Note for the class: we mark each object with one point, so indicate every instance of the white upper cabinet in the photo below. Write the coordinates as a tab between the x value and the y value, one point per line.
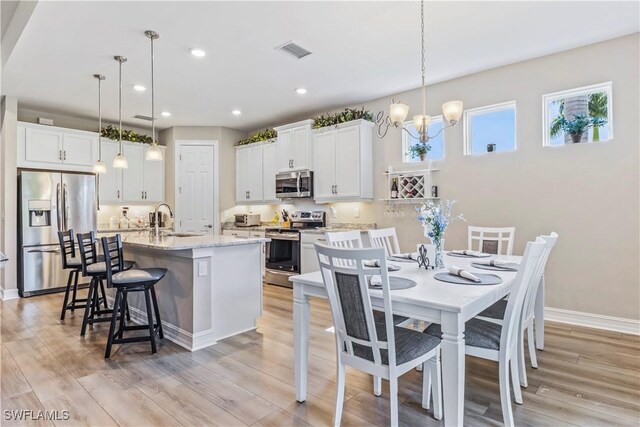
50	147
141	183
110	183
154	178
133	176
343	162
269	170
294	146
249	177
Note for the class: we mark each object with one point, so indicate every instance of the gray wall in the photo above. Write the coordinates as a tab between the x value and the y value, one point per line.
588	193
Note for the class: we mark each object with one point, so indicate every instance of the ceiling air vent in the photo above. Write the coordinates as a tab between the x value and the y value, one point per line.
141	117
294	49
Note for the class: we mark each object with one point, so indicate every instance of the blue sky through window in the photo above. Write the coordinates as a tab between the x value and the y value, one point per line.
437	144
494	127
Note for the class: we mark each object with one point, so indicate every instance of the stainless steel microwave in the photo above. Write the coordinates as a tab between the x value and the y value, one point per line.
295	184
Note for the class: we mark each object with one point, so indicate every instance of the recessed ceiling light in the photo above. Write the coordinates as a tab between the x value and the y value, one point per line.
139	88
301	91
166	114
198	53
236	112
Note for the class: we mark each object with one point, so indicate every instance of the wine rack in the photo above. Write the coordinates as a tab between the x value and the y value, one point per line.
413	186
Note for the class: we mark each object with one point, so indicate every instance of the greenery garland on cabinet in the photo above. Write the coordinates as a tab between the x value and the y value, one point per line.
112	132
349	114
263	135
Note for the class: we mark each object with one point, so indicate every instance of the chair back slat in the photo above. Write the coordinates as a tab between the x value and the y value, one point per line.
87	249
385	238
345	240
113	256
492	240
529	266
347	282
67	247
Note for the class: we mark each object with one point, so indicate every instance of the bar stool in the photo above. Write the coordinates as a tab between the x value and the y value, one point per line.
70	262
133	280
94	267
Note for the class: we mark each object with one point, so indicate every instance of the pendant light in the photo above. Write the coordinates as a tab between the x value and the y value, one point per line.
99	167
120	161
153	152
451	110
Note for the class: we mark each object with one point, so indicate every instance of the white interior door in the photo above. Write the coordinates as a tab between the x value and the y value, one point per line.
195	193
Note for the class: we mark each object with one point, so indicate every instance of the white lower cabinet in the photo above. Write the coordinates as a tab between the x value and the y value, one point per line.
308	257
343	162
244	234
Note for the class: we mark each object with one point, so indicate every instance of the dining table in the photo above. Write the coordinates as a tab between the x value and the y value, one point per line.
431	300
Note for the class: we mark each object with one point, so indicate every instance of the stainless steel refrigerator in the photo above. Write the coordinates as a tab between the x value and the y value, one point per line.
49	202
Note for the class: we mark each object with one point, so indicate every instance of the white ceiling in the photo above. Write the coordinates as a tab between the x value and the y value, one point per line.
361	51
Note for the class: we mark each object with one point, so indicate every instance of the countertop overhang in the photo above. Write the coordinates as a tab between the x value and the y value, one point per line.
177	243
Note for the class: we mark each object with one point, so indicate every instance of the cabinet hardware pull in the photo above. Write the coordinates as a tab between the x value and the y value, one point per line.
64	155
118	194
336	188
60	155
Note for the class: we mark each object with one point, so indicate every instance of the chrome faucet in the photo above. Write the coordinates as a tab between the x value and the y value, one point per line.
155	214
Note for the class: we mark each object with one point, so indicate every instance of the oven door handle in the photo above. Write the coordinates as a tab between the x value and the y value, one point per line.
283	236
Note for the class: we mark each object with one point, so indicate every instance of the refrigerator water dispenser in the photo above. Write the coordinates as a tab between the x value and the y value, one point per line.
39	213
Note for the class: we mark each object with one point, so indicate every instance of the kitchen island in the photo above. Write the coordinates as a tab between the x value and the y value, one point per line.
213	287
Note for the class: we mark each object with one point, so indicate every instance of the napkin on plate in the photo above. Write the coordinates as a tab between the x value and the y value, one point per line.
457	271
410	255
499	263
468	252
375	281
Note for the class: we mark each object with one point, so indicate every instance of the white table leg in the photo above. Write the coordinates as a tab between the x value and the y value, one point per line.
453	352
539	315
301	340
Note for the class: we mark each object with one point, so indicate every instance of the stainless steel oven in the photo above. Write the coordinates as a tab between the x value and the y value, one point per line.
296	184
282	256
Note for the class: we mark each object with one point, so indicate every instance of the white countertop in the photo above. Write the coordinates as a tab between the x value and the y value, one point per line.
175	243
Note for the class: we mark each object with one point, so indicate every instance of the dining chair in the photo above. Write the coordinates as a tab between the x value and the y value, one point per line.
377	348
385	238
496	312
353	239
499	342
491	240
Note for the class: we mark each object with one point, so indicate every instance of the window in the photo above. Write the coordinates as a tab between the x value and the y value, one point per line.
490	129
577	115
436	144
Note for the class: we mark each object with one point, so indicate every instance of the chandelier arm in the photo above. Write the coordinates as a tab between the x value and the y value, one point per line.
440	131
410	134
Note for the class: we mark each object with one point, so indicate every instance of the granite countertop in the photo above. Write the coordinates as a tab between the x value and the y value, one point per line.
177	243
344	226
129	230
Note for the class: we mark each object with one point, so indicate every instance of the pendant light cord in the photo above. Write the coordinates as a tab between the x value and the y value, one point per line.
120	104
424	102
99	119
153	111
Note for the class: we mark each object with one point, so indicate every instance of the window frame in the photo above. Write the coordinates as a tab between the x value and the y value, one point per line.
606	87
406	159
493	108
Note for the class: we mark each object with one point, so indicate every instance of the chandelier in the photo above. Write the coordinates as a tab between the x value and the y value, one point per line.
398	111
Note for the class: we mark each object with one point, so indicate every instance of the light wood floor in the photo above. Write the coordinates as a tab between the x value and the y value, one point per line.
586	377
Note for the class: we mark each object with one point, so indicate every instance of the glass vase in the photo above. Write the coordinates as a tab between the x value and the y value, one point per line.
439	260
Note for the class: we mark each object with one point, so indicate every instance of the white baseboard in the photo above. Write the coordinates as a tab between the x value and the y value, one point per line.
7	294
590	320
